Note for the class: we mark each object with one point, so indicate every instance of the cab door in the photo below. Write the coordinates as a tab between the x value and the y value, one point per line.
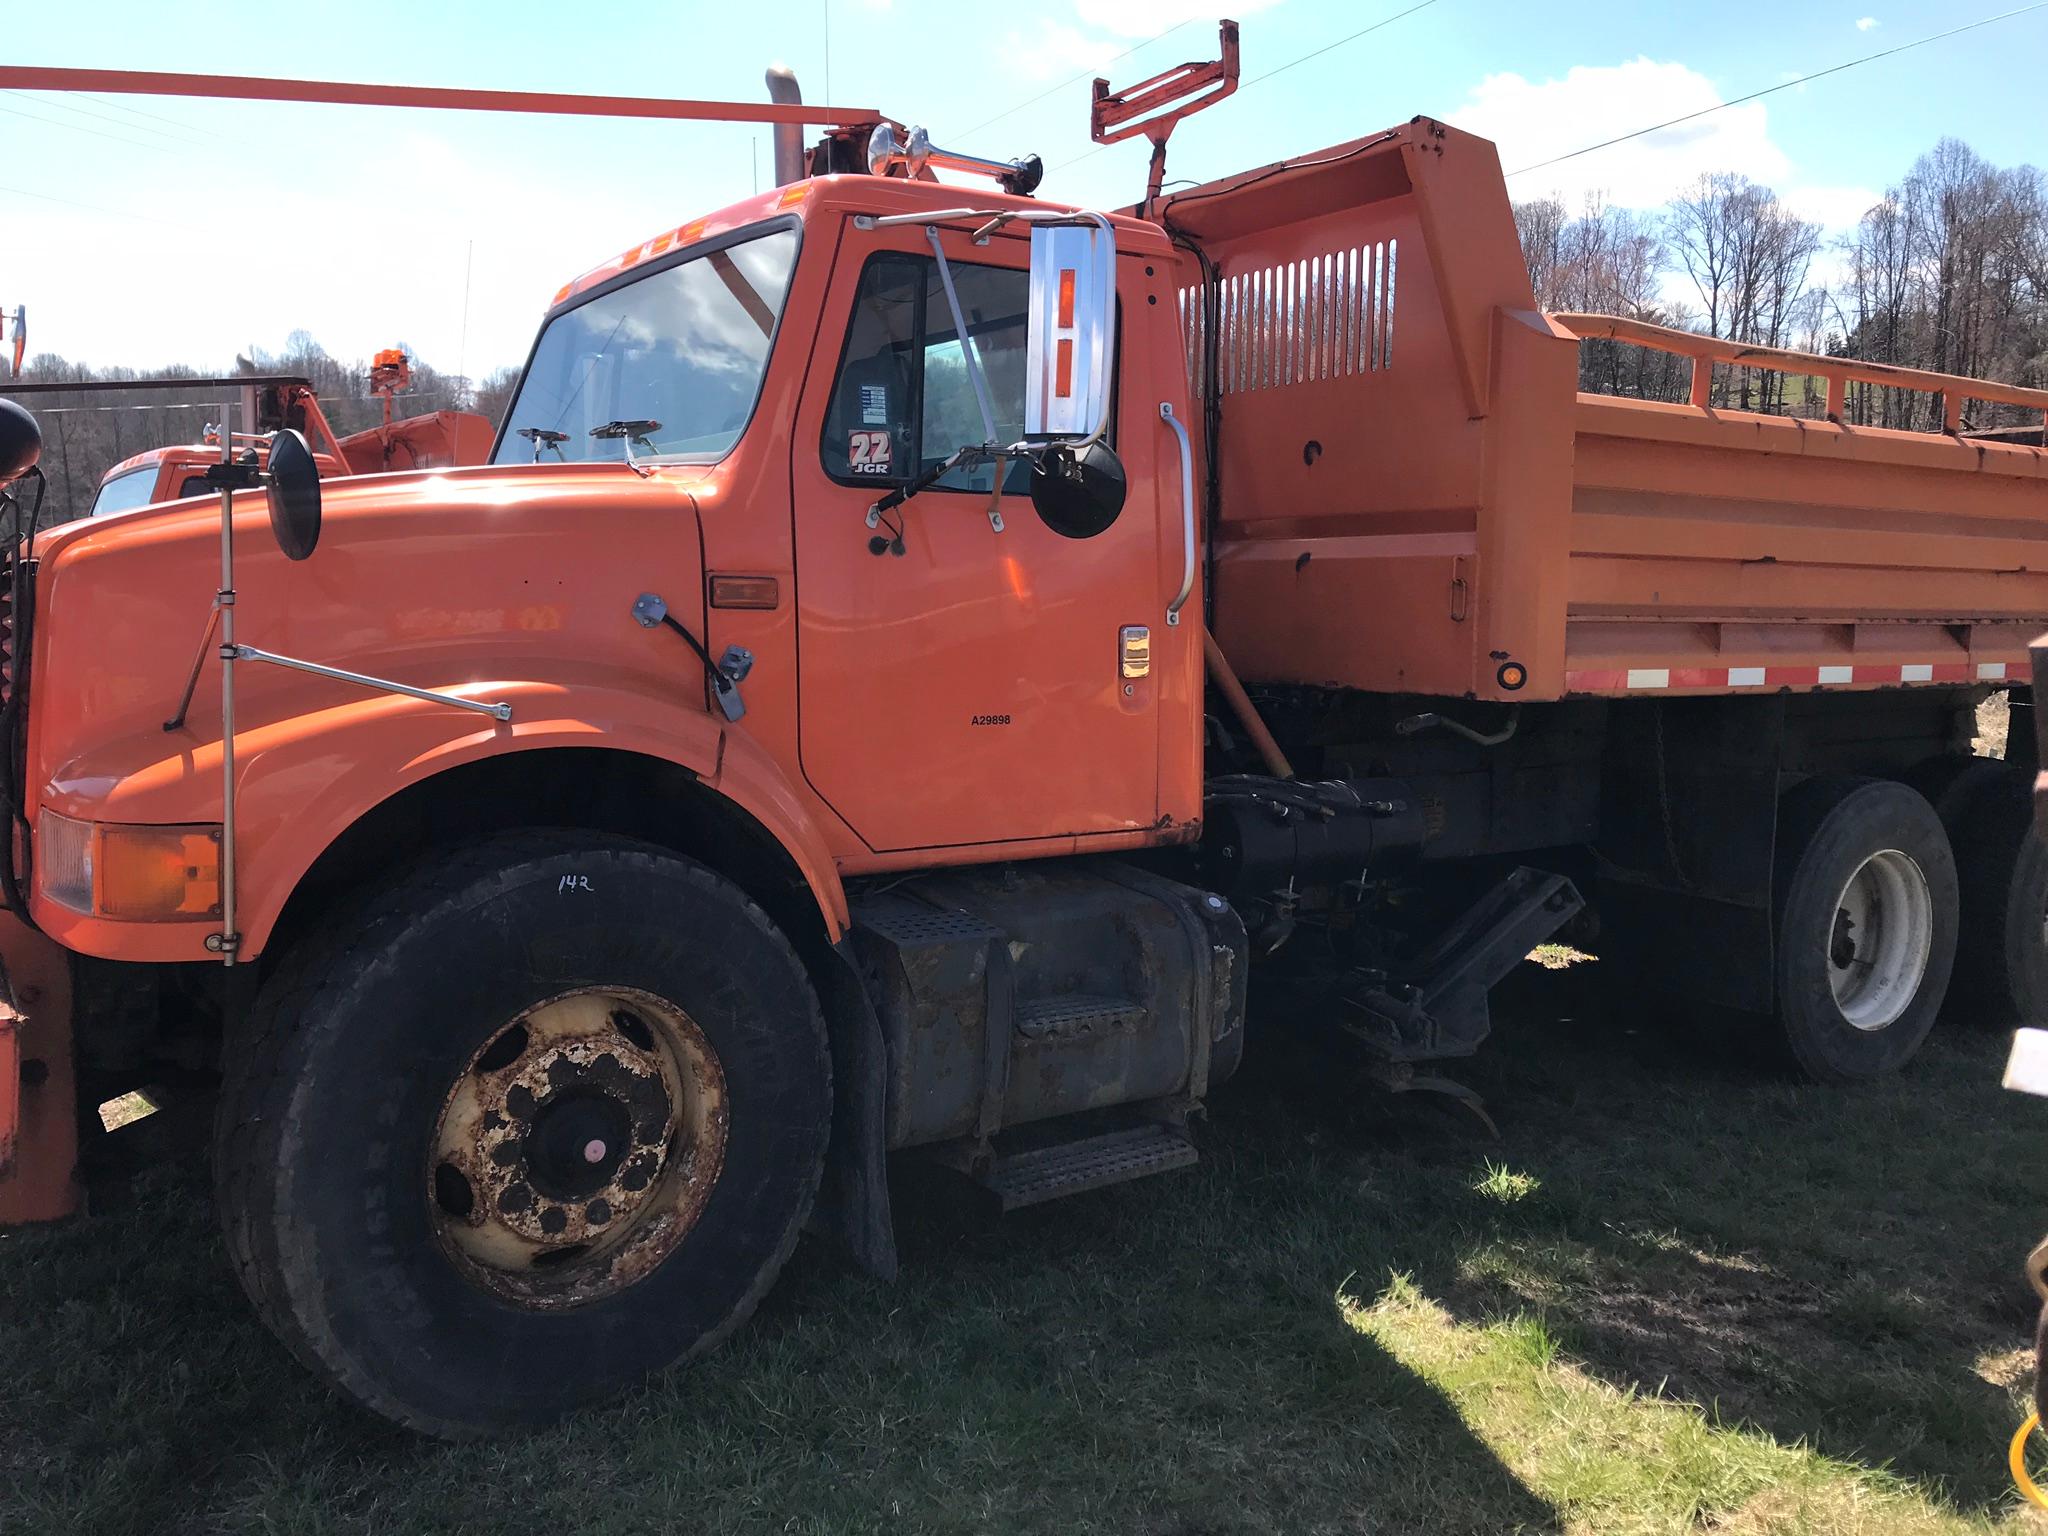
958	684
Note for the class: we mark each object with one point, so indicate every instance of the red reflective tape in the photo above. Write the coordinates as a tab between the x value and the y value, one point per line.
1834	674
1594	682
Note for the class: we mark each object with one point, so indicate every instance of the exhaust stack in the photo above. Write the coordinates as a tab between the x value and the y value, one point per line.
789	137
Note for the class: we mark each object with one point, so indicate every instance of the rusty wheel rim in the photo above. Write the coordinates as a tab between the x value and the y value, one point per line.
578	1147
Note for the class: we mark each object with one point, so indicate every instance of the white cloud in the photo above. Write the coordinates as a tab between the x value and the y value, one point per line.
1054	50
1147	18
1867	23
1110	28
1535	121
1833	208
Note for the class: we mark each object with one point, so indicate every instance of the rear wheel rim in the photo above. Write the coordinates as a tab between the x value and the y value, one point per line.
578	1147
1880	939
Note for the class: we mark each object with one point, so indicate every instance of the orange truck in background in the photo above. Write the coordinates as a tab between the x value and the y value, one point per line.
921	662
436	440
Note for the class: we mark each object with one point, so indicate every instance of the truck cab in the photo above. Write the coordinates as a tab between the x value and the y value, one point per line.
172	474
799	367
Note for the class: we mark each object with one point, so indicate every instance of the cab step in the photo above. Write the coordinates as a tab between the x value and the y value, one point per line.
1074	1167
1077	1017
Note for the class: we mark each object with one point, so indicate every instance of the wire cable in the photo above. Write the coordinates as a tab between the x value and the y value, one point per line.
1783	85
185	140
1281	69
98	133
122	106
119	213
1085	74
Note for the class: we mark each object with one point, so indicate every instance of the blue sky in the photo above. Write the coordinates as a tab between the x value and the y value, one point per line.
358	224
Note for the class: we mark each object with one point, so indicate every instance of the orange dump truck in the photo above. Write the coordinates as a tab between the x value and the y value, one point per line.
921	658
436	440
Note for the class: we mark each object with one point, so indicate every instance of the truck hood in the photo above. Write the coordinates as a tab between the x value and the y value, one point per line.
451	580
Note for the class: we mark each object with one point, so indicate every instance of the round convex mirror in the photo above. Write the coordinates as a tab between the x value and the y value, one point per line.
21	441
1077	492
294	482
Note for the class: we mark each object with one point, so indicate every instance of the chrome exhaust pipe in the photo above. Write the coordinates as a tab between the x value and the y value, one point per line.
789	137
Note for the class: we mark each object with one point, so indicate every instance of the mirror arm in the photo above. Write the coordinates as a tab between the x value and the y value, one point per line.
910	488
973	453
184	708
968	350
497	711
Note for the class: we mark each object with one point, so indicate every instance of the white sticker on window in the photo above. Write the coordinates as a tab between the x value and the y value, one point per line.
867	452
874	404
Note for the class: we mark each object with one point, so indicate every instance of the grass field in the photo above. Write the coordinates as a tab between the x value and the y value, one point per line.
1678	1293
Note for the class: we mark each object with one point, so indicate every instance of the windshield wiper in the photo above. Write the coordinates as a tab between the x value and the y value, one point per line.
541	438
629	433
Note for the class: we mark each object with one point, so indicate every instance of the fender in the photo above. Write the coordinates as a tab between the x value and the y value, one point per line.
305	778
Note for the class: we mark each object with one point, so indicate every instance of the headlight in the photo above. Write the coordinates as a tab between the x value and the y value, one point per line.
136	873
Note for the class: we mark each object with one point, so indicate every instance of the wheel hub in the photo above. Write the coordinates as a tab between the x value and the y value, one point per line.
1880	939
579	1147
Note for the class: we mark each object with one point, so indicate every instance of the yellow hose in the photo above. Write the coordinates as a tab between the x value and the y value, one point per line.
2016	1458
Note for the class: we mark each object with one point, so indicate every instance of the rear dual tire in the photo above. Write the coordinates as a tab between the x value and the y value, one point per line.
544	1118
2001	975
1867	916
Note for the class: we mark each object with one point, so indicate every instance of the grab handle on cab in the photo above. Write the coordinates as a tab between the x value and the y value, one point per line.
1187	511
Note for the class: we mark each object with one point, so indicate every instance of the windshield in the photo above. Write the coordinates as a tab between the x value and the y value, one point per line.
678	355
125	492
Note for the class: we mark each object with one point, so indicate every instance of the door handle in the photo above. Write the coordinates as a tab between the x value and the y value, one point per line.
1187	511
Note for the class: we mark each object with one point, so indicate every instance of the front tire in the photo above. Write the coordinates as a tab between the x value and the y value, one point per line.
545	1118
1866	920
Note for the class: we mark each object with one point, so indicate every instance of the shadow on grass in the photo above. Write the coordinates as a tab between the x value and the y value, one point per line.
1827	1265
1165	1357
1838	1266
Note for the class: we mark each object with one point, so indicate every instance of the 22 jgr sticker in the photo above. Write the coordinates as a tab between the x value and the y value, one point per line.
867	451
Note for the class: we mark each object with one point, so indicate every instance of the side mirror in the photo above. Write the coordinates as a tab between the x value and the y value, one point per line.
294	485
1072	331
21	441
1077	492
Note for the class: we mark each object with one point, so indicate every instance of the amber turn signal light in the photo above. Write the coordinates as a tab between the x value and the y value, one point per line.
146	874
1512	675
745	592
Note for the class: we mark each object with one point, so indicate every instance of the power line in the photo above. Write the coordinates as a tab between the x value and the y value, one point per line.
122	106
1085	74
1282	69
1354	37
119	213
97	133
65	106
1783	85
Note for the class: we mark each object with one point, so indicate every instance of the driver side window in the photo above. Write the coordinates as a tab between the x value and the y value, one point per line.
903	401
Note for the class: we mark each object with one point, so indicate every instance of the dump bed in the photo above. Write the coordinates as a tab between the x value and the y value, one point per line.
1413	497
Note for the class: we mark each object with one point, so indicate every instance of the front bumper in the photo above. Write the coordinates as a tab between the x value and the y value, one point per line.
38	1105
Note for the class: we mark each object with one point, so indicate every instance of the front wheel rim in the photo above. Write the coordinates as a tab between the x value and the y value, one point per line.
578	1147
1879	940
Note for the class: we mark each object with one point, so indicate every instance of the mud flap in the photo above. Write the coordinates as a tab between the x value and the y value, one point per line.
853	1202
38	1104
